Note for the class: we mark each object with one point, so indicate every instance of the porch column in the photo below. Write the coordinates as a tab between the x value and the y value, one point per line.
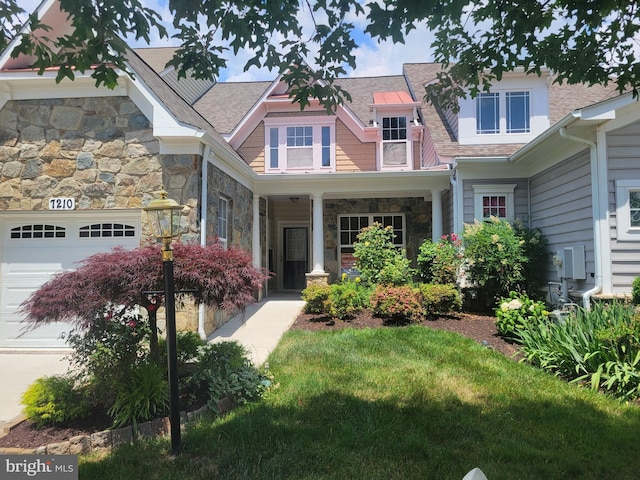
318	235
257	260
436	215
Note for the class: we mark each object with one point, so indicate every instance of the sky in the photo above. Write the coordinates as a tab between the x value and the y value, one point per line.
372	58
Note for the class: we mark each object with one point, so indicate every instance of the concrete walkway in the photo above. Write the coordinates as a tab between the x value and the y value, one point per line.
259	330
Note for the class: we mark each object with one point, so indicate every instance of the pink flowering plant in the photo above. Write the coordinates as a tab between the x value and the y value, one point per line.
439	262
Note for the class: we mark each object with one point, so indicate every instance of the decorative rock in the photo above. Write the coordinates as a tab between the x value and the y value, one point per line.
101	440
60	168
50	151
12	169
111	165
35	114
79	444
85	160
32	169
9	154
67	187
121	436
86	176
61	448
114	149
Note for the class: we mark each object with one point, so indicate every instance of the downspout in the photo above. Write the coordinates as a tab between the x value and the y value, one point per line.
204	199
595	193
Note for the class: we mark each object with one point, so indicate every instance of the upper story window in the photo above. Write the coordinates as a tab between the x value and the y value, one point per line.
308	145
503	112
394	141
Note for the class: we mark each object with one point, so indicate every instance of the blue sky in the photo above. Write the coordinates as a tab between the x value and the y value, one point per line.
373	59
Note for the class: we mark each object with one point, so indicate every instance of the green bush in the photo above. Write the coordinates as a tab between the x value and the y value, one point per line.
105	350
54	400
535	247
316	297
517	312
436	298
348	298
188	346
399	304
600	347
225	370
439	262
495	258
635	291
378	260
145	395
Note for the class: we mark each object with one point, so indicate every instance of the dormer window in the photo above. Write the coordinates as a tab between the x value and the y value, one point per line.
395	114
394	141
503	112
302	145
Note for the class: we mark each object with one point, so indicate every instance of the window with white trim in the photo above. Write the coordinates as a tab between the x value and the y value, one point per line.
503	113
394	141
306	146
349	226
628	209
222	228
494	201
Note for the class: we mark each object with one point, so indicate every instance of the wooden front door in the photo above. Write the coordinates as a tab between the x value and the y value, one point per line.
295	258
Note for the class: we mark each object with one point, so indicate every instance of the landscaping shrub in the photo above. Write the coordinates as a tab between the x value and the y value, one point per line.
378	260
145	395
188	346
600	347
536	250
348	298
495	258
436	298
399	304
105	350
439	262
517	312
54	400
635	291
225	370
316	297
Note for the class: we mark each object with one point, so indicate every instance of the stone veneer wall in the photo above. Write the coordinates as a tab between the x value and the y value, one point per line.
100	151
417	217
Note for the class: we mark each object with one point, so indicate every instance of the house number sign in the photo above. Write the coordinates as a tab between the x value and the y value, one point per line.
62	203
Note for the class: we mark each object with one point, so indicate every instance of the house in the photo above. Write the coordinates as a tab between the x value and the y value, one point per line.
295	187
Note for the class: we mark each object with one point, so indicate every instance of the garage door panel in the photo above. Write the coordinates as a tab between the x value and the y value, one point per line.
28	262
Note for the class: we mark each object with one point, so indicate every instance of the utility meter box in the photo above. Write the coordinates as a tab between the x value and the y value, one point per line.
574	265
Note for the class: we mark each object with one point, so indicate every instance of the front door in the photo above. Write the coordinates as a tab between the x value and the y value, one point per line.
294	265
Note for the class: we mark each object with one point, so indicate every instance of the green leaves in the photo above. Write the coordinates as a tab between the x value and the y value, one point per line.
580	42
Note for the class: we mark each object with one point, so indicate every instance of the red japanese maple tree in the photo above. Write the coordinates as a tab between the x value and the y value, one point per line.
211	274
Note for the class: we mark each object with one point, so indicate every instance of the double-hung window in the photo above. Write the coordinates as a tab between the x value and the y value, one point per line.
394	141
305	146
503	113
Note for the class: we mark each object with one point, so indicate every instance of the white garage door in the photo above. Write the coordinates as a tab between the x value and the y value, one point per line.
35	247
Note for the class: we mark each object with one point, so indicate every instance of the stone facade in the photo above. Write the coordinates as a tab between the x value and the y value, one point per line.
417	217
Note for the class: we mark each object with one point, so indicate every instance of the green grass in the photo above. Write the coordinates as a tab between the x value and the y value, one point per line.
398	403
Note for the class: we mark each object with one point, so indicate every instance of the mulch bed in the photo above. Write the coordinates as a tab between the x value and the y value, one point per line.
480	327
476	326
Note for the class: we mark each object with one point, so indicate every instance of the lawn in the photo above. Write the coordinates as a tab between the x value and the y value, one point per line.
398	403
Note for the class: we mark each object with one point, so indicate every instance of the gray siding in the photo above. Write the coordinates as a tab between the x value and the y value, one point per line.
561	206
623	163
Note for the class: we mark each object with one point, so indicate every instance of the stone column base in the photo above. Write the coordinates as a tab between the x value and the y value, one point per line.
317	279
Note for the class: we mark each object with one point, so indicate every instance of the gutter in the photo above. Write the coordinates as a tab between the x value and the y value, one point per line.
595	193
204	200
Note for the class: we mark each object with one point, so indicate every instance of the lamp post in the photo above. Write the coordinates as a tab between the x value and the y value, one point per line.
164	216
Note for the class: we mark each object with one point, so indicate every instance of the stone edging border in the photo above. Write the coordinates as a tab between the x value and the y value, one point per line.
108	439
